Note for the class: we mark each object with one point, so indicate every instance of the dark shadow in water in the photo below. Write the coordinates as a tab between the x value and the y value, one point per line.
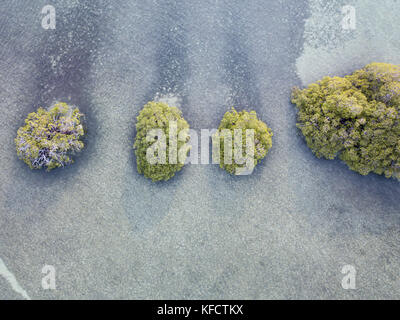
239	70
64	59
172	52
171	58
337	201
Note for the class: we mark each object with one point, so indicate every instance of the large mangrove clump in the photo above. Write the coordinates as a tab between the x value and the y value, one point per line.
161	136
243	141
50	137
355	118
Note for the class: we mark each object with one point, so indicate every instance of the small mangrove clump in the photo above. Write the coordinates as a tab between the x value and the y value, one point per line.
243	141
49	138
161	136
355	118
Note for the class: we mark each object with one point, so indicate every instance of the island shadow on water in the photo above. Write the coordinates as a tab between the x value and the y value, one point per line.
64	60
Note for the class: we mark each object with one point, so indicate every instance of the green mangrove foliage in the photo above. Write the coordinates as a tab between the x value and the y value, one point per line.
49	138
161	137
243	141
355	118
